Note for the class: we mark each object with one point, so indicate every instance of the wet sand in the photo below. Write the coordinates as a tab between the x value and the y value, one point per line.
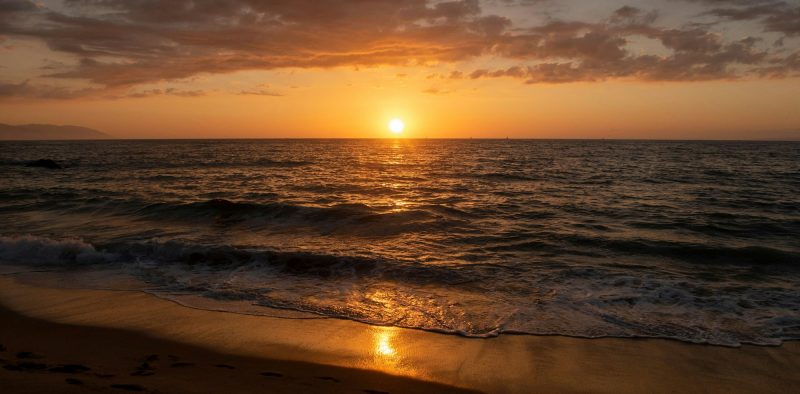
66	340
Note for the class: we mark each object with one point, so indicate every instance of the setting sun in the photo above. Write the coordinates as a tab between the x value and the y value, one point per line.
396	126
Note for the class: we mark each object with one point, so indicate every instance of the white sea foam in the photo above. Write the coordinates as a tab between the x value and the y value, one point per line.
29	249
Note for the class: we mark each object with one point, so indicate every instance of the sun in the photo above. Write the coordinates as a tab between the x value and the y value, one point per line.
396	126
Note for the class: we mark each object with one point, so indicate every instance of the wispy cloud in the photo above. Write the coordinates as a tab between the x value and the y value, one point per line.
121	44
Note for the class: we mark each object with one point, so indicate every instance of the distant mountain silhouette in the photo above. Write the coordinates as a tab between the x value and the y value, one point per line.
49	132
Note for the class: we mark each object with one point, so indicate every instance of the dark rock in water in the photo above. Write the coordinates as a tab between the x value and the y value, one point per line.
45	163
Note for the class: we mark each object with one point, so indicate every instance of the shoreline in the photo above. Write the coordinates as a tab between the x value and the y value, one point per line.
36	358
358	353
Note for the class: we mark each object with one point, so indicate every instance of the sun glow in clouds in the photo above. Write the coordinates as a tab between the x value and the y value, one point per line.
396	126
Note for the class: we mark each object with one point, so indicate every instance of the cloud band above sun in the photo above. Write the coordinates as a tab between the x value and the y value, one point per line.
109	47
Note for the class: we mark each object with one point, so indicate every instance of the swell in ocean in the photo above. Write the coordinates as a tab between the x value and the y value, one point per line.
694	241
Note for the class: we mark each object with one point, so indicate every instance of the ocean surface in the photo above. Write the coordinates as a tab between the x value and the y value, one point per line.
695	241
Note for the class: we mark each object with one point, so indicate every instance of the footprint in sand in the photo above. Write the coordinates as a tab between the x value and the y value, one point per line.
272	374
329	378
26	367
74	381
226	366
368	391
128	387
146	368
2	348
179	365
70	368
28	355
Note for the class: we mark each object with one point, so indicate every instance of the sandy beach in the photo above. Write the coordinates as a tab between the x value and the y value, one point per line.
94	340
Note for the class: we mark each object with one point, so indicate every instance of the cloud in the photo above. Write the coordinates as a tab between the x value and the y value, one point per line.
436	91
122	44
159	92
774	15
27	90
261	90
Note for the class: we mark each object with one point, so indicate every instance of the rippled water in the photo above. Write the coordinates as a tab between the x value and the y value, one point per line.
695	241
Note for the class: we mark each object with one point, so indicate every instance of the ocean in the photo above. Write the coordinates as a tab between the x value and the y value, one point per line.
694	241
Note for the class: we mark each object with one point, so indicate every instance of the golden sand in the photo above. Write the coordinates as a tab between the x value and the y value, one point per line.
116	329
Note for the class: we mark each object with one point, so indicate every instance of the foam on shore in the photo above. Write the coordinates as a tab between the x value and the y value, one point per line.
508	363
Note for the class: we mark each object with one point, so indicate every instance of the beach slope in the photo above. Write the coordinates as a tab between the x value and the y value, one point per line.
62	340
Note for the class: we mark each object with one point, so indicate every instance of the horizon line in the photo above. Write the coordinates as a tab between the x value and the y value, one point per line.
399	139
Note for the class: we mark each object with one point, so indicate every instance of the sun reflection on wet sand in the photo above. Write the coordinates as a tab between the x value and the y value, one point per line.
386	354
383	343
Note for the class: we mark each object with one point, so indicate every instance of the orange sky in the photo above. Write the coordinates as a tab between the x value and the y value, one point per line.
452	69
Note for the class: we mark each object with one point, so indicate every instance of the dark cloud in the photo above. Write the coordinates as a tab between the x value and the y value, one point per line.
775	15
122	44
26	89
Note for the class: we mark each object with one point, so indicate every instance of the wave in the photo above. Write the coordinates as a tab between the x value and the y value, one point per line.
471	300
44	251
40	250
342	217
692	252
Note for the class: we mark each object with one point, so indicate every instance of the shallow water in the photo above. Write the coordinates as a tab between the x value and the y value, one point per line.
696	241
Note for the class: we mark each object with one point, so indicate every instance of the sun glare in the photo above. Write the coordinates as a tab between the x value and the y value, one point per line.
396	126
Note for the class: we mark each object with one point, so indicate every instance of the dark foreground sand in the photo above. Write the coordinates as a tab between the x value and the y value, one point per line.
60	340
41	356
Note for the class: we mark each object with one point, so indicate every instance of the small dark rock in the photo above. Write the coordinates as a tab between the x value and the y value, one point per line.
45	163
129	387
73	381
